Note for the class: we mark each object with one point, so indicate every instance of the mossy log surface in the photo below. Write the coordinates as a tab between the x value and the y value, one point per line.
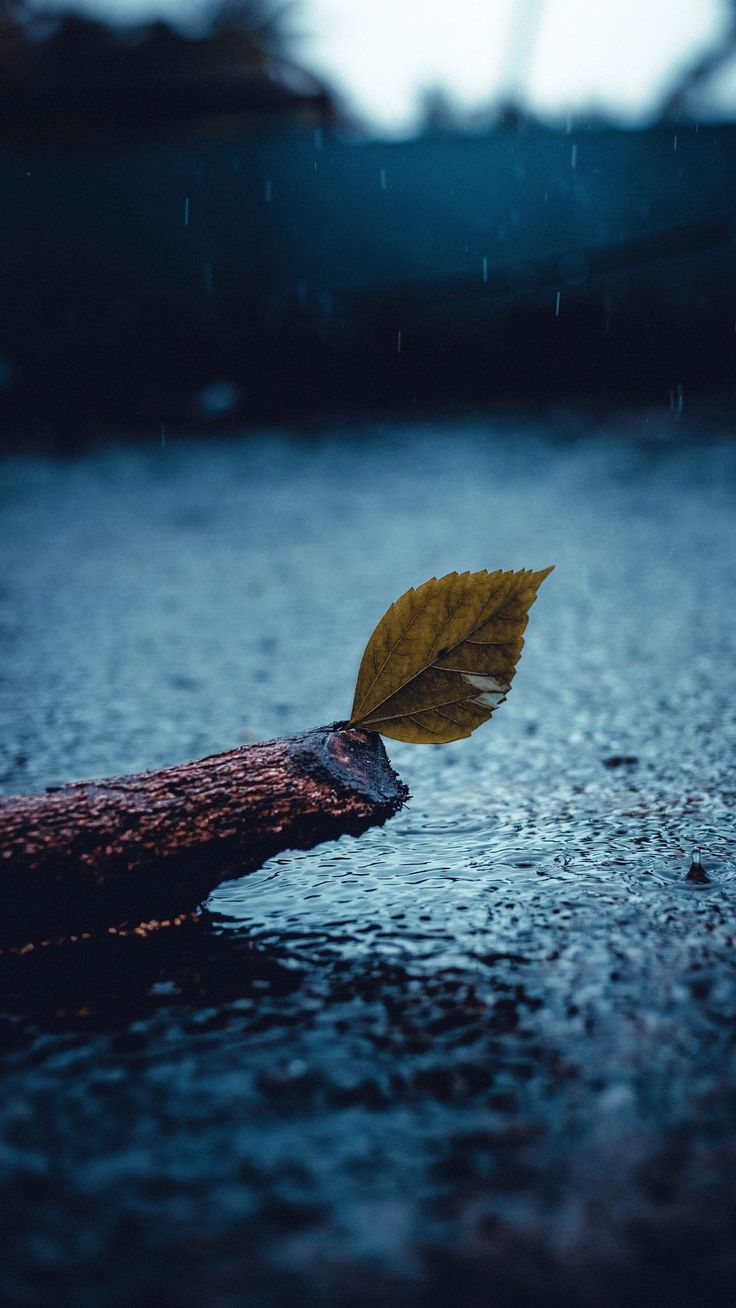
140	850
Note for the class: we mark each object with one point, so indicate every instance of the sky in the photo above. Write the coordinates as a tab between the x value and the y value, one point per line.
562	55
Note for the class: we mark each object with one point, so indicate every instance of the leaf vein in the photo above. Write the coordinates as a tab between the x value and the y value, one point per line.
388	656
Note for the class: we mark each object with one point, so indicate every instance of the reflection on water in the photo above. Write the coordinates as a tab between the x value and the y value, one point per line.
487	1045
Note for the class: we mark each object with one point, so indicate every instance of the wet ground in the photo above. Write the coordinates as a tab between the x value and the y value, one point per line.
483	1055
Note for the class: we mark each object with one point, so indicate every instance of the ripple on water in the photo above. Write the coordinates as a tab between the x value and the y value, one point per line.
426	887
672	872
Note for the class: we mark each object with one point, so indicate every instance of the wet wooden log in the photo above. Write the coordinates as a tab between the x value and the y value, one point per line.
144	849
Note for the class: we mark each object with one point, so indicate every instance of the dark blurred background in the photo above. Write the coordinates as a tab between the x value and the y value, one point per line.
242	212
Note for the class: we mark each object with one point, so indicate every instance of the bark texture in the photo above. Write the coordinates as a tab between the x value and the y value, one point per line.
142	849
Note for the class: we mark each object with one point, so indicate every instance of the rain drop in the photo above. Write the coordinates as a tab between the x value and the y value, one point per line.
697	872
677	400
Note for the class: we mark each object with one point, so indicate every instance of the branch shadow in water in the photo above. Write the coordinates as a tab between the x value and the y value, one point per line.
108	981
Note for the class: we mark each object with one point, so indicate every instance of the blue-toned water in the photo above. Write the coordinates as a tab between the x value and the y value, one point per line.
483	1053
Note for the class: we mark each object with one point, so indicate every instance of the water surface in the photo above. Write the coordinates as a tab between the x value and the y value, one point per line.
484	1051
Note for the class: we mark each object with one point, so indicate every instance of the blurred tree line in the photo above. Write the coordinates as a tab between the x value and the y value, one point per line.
65	75
686	97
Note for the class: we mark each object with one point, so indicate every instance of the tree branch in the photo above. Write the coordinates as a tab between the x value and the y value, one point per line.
135	849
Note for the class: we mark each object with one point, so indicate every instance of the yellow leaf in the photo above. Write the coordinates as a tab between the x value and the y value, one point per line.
443	657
